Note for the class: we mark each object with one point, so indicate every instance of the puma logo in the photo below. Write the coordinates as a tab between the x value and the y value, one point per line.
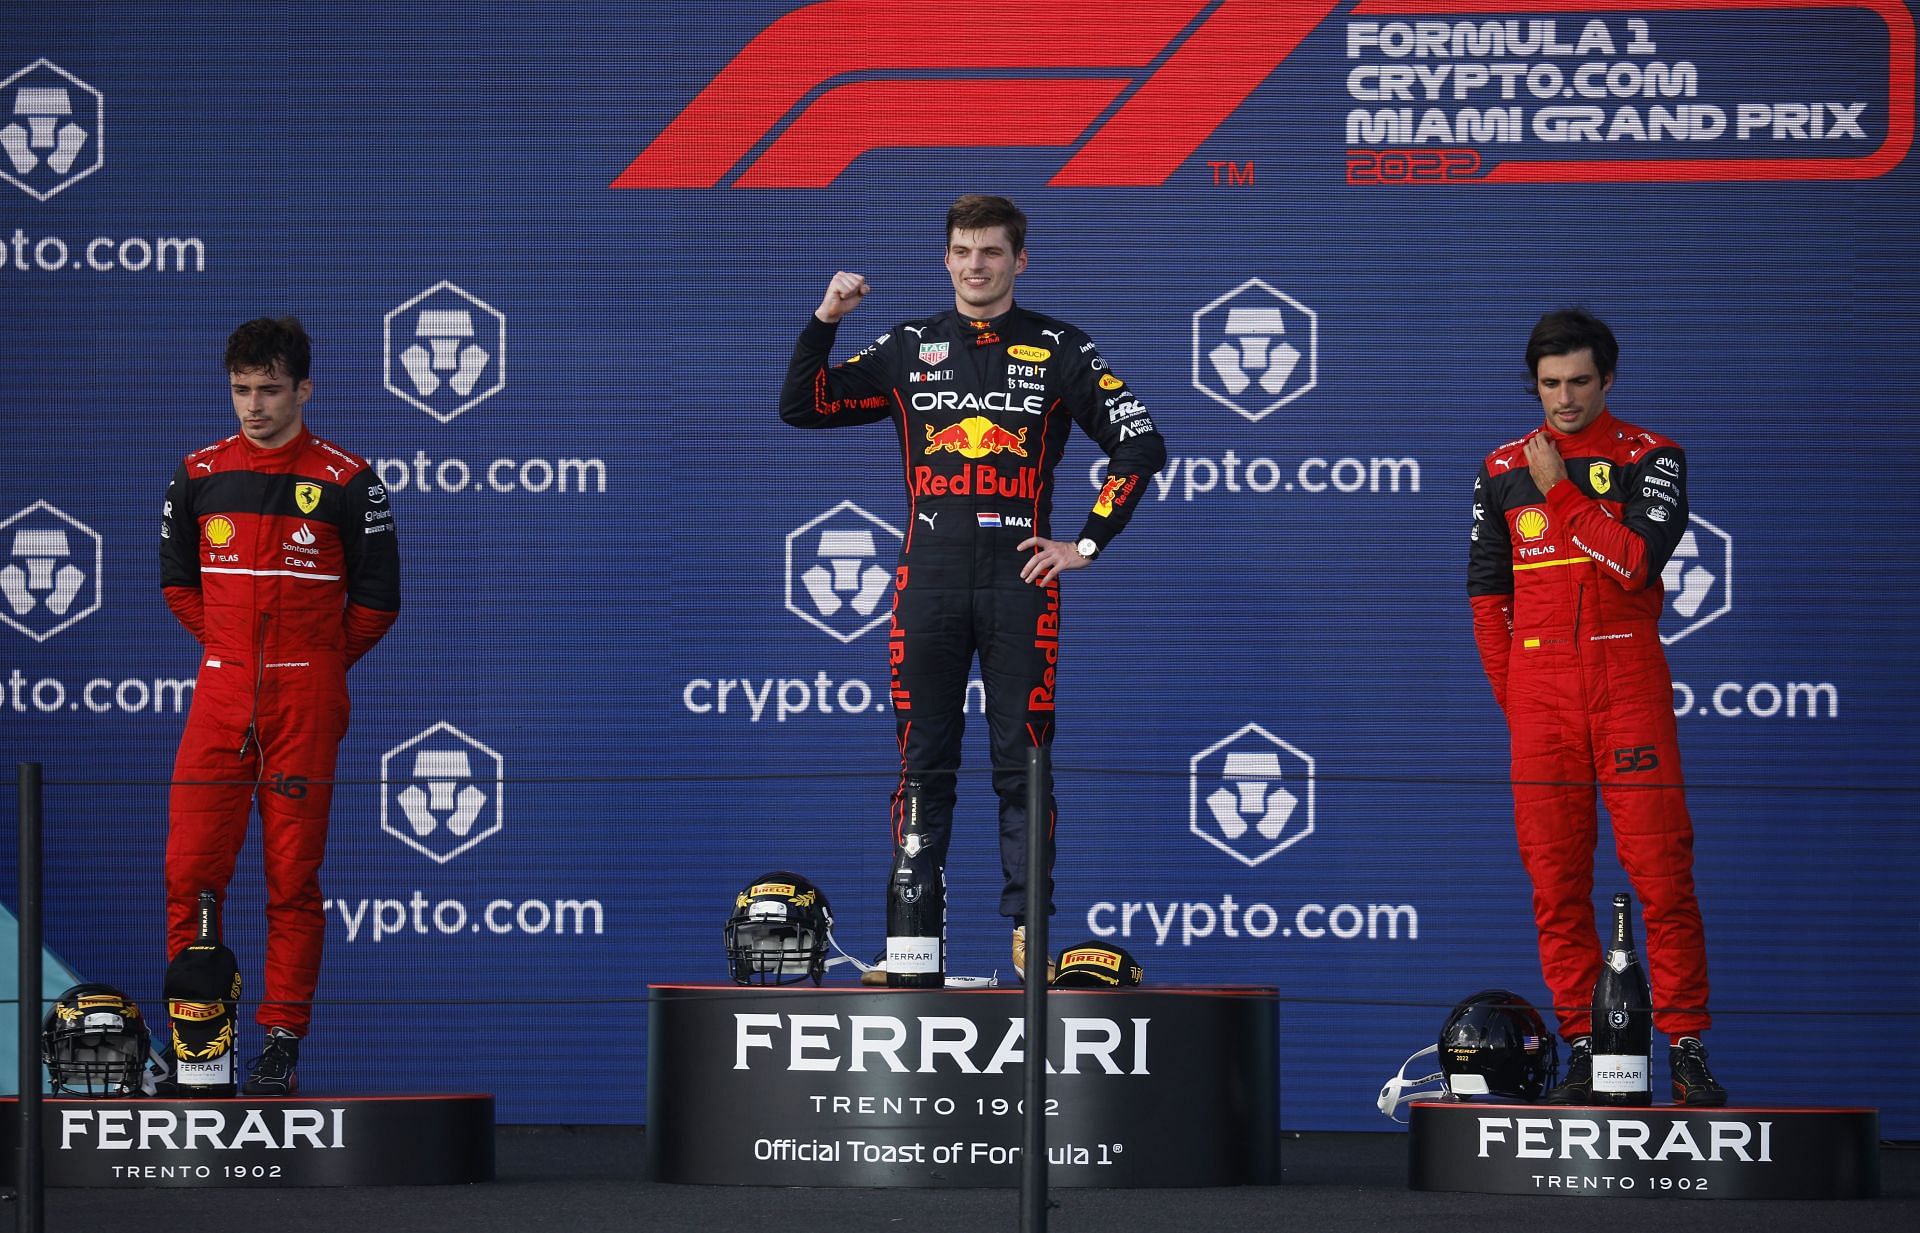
1058	336
928	519
205	466
915	330
336	472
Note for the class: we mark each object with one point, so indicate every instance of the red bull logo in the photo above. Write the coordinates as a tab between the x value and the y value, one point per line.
976	437
981	479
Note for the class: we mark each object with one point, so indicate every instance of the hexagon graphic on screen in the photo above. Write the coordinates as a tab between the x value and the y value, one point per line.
1251	795
53	129
442	792
50	566
1255	349
840	571
446	351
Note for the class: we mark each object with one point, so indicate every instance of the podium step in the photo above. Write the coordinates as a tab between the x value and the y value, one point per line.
1659	1152
303	1141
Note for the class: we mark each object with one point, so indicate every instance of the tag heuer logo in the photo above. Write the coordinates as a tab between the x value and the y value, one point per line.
933	353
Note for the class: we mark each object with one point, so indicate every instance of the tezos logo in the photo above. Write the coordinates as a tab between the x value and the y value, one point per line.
442	792
836	578
1251	795
1247	349
1698	577
51	575
53	131
446	351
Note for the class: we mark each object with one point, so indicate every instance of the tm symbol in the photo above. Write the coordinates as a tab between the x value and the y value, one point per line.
1229	174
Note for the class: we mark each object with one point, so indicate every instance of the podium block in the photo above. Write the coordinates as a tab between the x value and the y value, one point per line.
906	1087
1662	1152
301	1141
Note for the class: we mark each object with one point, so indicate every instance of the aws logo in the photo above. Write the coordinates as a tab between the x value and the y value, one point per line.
825	97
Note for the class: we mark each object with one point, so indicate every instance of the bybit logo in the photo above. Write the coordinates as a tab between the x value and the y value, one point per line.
1251	795
442	792
51	575
52	129
835	577
450	349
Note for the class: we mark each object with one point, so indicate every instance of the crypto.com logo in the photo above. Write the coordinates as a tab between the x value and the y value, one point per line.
451	349
444	798
836	578
1698	577
841	78
50	568
1251	795
53	129
1247	349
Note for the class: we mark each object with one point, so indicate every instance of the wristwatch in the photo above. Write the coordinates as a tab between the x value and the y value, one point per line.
1087	548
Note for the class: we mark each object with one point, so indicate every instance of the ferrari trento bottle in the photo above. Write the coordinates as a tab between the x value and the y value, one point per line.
1622	1019
202	990
916	905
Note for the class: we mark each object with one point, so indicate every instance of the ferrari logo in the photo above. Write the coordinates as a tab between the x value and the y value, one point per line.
1600	474
307	496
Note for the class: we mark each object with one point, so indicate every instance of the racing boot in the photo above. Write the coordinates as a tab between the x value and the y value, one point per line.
1020	955
272	1072
1577	1087
1693	1083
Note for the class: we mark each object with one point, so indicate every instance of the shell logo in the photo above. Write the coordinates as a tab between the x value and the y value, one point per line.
219	531
1532	524
1032	355
1110	382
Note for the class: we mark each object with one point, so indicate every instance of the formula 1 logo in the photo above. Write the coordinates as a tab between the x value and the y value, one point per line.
1247	349
829	82
841	579
442	792
1698	578
53	129
450	349
1251	795
51	572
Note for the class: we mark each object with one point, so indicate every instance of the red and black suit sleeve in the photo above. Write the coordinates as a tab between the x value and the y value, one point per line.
1107	410
180	556
373	564
858	390
1490	581
1633	547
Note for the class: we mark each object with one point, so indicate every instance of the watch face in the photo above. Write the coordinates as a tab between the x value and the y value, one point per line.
1087	548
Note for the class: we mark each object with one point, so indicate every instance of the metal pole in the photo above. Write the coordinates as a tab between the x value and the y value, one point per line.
29	1177
1033	1156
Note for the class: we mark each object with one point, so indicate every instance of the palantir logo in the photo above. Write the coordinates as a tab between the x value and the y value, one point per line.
837	579
1248	349
51	575
1251	795
442	792
53	129
446	351
1698	578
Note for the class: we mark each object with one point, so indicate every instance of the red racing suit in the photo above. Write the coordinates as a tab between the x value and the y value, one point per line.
1566	597
283	564
982	411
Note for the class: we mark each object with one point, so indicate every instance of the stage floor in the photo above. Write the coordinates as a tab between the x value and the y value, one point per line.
592	1178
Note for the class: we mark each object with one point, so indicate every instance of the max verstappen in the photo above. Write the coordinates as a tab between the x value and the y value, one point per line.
982	398
277	553
1572	526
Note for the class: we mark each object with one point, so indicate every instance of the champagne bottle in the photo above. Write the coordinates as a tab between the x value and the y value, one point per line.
916	905
202	990
1622	1019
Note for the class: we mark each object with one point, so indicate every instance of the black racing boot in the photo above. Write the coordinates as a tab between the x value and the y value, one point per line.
1577	1087
1693	1083
272	1072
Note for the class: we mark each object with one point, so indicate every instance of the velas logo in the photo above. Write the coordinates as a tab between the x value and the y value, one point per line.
1251	795
836	579
52	129
50	573
449	348
1164	75
976	437
1698	578
442	792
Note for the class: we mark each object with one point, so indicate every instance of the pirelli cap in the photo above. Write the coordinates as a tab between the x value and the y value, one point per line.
1096	965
